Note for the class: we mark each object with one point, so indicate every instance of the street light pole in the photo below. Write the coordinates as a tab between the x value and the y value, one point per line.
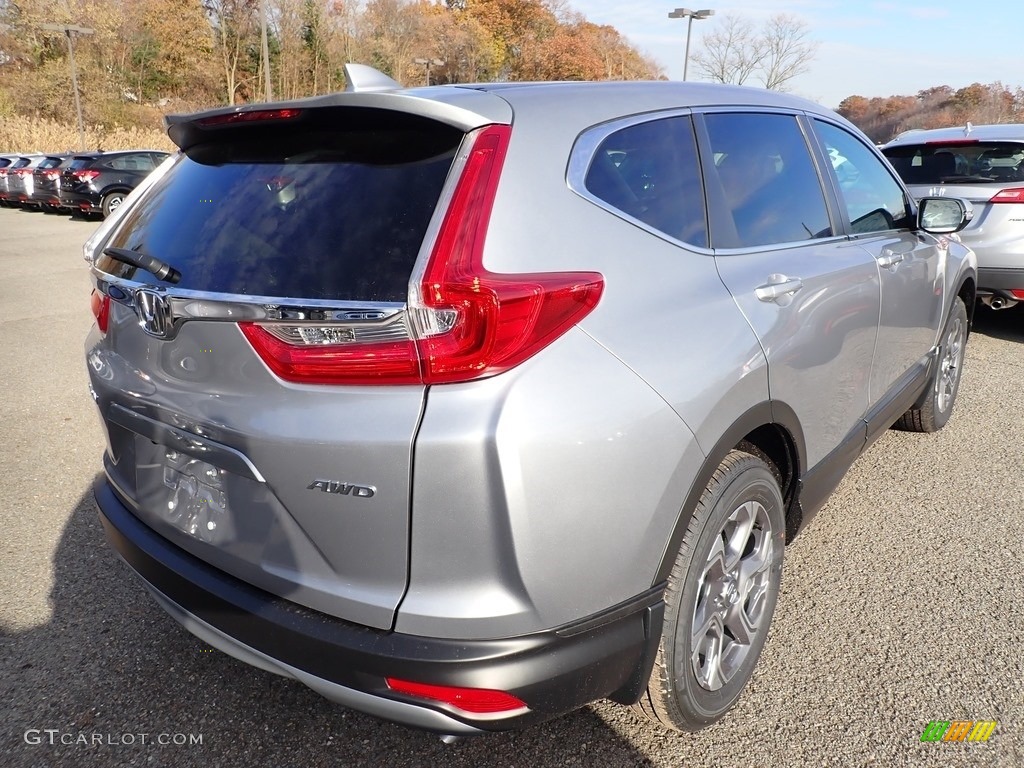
686	13
68	30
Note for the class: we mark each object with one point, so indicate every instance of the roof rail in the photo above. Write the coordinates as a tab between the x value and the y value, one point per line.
362	78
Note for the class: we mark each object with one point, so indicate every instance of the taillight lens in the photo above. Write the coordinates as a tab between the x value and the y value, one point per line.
51	175
1017	293
100	305
477	701
1009	196
86	175
465	322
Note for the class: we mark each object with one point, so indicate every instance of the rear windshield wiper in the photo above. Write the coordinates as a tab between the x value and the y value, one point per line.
161	269
965	179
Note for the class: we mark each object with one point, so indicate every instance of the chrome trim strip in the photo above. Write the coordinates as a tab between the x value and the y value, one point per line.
186	442
366	318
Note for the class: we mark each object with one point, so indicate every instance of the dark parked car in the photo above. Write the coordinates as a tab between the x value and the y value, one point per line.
19	179
45	192
5	163
98	182
466	406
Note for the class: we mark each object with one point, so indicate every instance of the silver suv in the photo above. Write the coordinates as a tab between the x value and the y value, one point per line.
468	405
983	164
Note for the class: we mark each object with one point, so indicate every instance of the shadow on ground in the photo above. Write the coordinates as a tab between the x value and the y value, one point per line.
110	666
1005	324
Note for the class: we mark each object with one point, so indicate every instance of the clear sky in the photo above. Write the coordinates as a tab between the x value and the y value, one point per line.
864	48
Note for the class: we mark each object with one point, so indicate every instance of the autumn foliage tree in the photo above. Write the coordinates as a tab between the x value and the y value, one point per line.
882	118
147	57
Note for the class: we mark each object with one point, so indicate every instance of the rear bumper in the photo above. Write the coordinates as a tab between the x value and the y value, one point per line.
556	671
1000	279
80	202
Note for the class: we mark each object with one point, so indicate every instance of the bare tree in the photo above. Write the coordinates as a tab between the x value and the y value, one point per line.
737	51
731	53
787	50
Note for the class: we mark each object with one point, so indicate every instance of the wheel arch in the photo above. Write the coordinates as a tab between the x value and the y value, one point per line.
770	430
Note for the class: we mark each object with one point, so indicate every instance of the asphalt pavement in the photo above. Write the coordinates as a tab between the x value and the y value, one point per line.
902	602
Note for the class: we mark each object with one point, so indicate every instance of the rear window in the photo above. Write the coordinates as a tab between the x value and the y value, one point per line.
969	162
335	206
79	162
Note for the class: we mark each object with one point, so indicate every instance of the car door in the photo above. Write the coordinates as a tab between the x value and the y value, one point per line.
909	263
811	297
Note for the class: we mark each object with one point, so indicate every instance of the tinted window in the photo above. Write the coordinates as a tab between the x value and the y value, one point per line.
140	162
963	162
80	162
768	179
874	199
336	213
650	172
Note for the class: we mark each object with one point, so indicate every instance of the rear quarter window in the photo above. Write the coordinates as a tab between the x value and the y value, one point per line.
649	171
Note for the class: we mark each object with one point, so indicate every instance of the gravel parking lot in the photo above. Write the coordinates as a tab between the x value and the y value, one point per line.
903	602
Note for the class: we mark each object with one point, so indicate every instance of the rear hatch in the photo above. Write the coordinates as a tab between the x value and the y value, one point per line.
261	408
47	180
989	174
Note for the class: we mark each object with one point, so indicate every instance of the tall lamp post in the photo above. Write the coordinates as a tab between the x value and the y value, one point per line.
69	30
427	63
686	13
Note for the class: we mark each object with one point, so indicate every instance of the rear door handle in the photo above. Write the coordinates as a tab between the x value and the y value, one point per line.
890	259
777	287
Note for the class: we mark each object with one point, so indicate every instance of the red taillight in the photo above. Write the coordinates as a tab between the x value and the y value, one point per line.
1009	196
480	323
252	116
24	172
52	175
87	175
466	322
100	305
1018	293
477	701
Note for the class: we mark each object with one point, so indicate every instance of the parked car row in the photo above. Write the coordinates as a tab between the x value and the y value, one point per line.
84	182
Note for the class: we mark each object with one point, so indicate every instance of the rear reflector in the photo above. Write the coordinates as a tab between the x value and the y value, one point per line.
1009	196
100	305
1018	293
252	116
477	701
465	322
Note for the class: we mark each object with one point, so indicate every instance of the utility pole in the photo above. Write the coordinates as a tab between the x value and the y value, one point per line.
69	30
427	63
266	50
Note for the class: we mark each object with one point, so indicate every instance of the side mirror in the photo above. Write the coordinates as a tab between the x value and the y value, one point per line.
943	215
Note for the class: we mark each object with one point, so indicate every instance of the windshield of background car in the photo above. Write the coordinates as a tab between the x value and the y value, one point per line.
321	210
960	162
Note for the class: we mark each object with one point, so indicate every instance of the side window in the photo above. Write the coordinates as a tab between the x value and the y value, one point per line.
650	172
767	178
874	200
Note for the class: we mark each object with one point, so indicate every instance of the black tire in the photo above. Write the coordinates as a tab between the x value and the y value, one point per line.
938	405
687	689
112	201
